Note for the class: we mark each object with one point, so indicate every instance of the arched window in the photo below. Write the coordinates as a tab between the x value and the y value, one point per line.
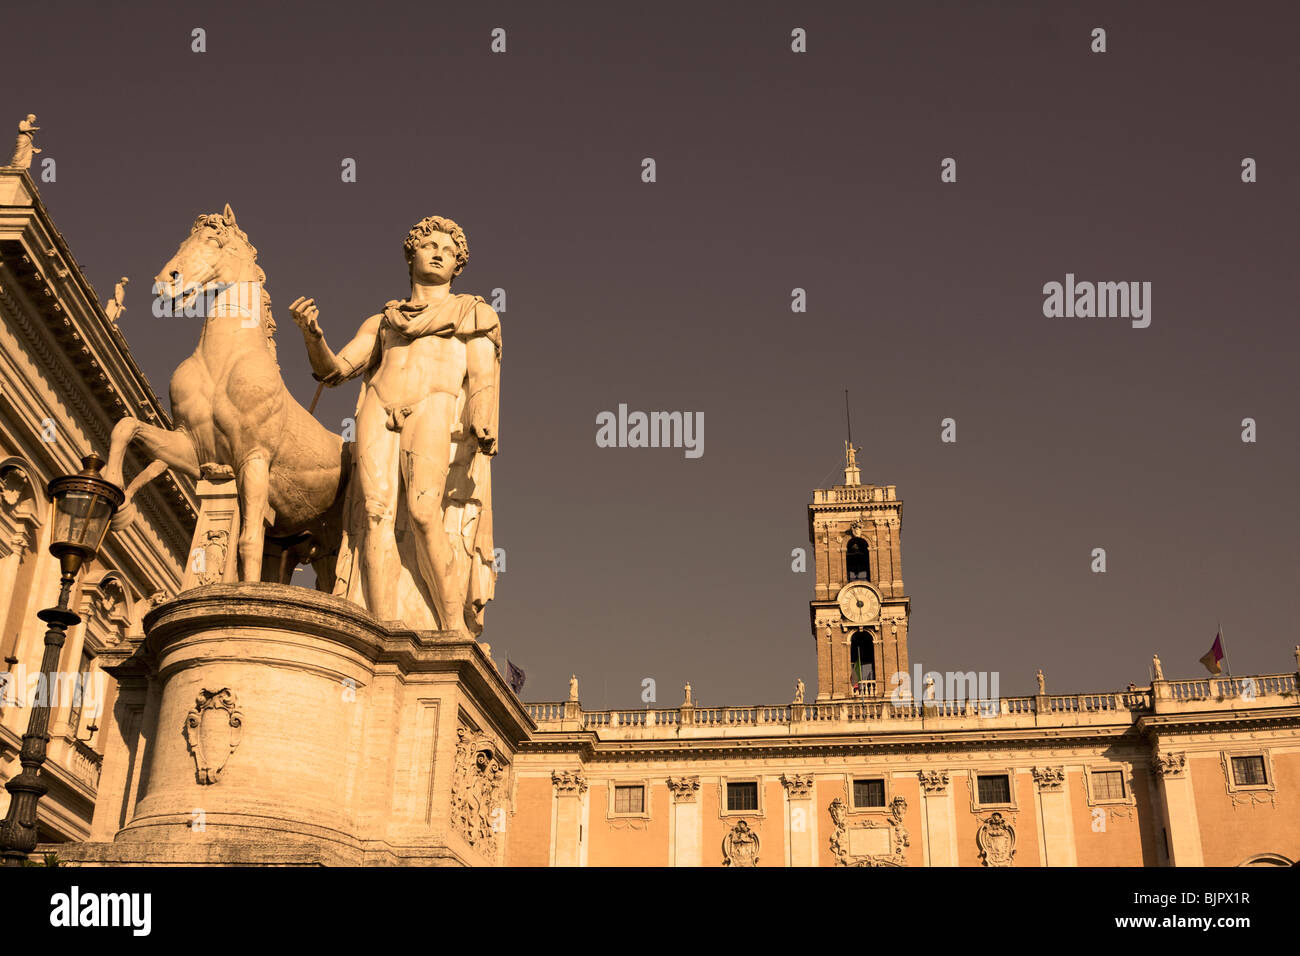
857	560
862	654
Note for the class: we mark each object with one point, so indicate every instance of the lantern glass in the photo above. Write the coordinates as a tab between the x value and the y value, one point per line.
80	522
83	506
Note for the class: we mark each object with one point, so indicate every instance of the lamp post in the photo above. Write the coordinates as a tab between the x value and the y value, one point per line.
83	505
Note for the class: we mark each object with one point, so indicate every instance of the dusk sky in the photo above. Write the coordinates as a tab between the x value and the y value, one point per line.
775	170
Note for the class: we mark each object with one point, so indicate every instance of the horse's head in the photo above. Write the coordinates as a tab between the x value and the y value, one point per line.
215	256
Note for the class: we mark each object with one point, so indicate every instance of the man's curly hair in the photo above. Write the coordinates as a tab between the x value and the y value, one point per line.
427	227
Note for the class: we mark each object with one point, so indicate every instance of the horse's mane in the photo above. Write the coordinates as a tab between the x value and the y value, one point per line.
227	227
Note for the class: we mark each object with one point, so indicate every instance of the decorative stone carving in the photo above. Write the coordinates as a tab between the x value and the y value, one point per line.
1155	666
108	609
213	729
56	263
215	549
290	465
1049	778
740	847
23	147
997	841
21	507
799	690
684	789
687	689
114	308
1169	764
478	786
872	842
934	781
798	785
569	782
431	364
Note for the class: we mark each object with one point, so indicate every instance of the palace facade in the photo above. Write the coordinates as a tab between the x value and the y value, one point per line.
858	771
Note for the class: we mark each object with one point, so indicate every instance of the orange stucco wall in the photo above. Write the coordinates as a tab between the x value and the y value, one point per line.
629	841
1121	835
528	842
1231	834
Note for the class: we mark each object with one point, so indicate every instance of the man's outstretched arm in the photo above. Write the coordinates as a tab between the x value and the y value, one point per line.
328	367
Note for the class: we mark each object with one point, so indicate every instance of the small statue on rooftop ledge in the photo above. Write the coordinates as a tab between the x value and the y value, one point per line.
23	148
1155	664
687	688
798	690
1042	683
1297	657
115	308
573	687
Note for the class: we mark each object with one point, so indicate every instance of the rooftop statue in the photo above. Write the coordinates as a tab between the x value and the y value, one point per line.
24	148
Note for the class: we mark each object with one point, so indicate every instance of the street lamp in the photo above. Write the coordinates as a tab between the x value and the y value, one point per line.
83	505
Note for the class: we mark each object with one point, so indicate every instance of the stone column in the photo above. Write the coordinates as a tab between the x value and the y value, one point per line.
122	737
1055	828
801	820
1179	805
570	785
937	810
685	848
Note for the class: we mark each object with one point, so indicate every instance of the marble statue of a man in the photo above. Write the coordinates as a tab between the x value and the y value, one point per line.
24	147
417	542
115	306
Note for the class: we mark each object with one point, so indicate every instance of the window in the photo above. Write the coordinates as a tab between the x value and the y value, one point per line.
862	653
1108	785
742	796
629	799
868	793
1249	771
994	788
857	560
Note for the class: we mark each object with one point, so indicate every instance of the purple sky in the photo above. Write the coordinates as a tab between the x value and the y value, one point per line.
775	171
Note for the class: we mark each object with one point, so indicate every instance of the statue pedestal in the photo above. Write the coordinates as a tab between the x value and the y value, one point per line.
268	724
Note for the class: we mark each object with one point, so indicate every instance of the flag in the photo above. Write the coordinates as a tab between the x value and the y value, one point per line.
1214	655
515	677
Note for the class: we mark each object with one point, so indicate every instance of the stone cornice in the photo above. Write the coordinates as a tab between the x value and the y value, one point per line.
1210	720
36	258
829	745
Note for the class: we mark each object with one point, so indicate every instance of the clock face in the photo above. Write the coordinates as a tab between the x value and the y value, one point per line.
859	604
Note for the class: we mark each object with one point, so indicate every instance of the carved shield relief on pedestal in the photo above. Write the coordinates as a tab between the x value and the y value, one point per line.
213	729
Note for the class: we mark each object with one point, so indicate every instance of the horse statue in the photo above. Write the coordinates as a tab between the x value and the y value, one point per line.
233	415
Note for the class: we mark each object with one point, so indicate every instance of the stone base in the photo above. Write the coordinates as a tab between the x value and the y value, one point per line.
226	852
267	725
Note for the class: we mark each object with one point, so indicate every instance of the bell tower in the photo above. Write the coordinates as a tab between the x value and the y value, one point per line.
859	611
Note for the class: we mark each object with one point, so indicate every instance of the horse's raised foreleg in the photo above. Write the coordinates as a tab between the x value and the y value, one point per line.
253	481
165	448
